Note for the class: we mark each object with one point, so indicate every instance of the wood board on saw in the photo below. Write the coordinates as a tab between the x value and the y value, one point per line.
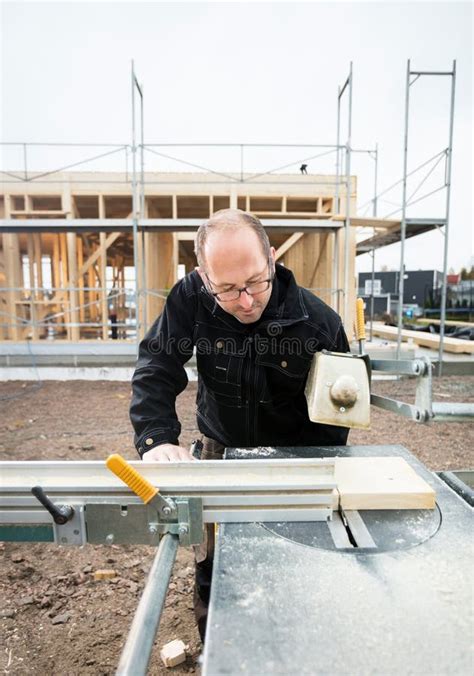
381	483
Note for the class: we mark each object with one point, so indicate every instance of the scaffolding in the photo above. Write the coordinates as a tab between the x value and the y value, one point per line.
447	152
340	222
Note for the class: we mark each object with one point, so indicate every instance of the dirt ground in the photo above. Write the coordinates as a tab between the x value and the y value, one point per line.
54	617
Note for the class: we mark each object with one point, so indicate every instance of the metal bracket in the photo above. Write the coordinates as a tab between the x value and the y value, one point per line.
190	521
111	523
73	532
422	410
424	391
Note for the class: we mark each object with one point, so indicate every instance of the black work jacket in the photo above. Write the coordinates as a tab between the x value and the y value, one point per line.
251	377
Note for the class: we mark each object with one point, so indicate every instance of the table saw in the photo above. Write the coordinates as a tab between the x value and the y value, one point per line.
331	591
390	593
303	582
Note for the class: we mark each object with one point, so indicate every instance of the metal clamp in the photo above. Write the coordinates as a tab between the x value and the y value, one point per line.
73	532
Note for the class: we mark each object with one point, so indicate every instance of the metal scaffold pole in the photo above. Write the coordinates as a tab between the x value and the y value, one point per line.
137	650
449	153
347	221
138	208
374	213
403	226
336	207
447	184
347	225
134	210
142	204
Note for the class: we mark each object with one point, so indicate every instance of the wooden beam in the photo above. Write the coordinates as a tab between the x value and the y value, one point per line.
287	244
13	274
64	275
80	280
103	284
92	295
159	247
38	260
73	294
369	222
30	250
113	237
316	280
431	340
66	201
56	263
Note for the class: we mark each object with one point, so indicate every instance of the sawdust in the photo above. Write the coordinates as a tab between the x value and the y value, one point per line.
258	452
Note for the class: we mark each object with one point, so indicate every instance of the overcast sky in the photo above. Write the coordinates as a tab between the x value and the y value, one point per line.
265	72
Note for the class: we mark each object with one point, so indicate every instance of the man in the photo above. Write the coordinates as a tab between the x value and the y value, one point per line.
255	332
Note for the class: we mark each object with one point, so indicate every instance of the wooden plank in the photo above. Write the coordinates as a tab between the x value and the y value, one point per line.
369	222
159	278
30	250
381	483
455	345
448	322
56	263
287	244
93	258
14	278
38	260
92	296
64	277
80	281
73	295
103	284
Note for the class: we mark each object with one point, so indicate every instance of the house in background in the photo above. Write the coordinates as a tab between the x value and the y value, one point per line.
420	289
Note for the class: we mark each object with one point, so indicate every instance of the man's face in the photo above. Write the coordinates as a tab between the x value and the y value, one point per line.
234	259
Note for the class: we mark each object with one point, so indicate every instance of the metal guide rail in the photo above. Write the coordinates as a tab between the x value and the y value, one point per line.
72	503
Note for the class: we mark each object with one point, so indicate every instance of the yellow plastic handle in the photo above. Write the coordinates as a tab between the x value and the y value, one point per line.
359	322
129	475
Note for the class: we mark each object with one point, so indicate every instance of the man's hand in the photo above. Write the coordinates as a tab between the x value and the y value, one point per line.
167	453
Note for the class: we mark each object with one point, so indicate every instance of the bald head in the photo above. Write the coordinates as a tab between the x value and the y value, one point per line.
230	221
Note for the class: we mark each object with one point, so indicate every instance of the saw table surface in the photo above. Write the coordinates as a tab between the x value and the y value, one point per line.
286	600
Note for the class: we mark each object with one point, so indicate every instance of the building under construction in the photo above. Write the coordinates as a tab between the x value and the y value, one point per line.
92	255
72	267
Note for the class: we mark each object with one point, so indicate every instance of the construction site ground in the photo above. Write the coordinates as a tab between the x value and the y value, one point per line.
55	617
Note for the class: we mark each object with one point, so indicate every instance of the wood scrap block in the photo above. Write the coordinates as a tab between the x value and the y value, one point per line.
104	574
456	345
381	483
173	653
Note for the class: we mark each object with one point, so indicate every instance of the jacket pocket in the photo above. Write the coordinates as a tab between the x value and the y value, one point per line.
221	375
284	376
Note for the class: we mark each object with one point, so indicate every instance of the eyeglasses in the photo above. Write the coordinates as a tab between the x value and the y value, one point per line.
252	289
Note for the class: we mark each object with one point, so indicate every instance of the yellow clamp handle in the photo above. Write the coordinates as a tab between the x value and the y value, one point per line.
129	475
359	320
